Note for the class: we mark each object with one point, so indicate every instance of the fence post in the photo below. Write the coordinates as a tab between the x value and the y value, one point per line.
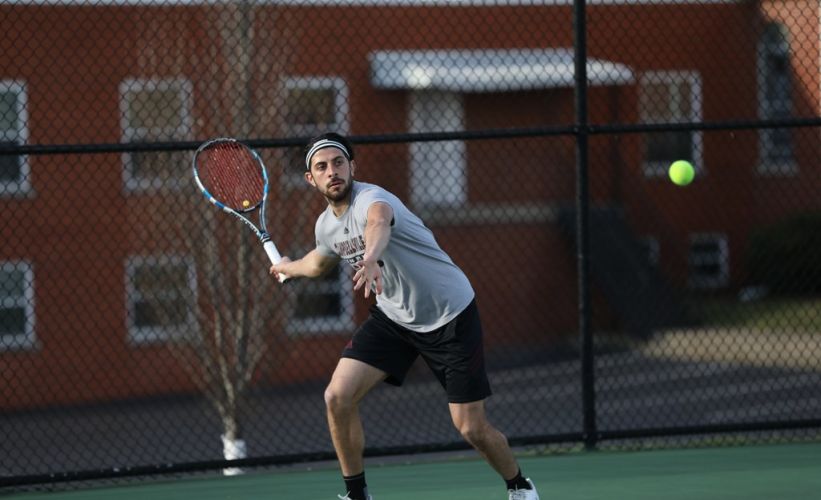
582	224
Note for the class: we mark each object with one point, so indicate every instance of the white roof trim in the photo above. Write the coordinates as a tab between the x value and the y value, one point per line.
488	70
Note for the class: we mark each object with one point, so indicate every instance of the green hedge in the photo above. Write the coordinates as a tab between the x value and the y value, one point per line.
786	256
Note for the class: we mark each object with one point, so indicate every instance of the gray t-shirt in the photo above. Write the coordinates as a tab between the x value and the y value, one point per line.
422	288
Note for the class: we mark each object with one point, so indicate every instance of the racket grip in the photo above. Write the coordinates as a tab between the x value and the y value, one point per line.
275	257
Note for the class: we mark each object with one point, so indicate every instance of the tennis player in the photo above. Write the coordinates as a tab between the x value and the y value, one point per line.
424	307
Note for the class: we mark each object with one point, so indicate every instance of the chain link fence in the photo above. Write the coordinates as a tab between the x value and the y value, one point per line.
138	326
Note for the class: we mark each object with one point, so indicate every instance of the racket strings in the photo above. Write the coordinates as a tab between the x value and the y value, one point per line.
231	175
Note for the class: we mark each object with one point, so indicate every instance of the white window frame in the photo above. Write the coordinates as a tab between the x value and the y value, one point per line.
340	124
320	325
721	259
767	109
438	170
655	169
26	339
130	133
22	186
143	335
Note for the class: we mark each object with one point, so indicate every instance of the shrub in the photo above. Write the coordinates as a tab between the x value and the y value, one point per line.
786	256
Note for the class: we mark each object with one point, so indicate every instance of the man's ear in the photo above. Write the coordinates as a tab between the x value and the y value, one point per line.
309	178
353	167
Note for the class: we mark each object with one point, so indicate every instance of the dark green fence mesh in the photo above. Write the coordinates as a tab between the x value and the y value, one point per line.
139	326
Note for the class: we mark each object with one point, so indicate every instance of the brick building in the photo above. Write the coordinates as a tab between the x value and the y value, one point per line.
114	72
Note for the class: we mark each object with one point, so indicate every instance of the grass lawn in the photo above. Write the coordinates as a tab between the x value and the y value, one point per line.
799	314
767	332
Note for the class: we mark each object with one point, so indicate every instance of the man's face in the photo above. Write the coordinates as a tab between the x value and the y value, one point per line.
331	174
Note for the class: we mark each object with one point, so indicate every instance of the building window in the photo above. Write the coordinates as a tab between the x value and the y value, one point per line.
670	97
16	305
155	110
709	261
14	169
438	170
160	297
775	145
325	304
311	106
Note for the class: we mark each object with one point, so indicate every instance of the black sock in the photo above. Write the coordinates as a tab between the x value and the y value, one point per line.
356	487
518	482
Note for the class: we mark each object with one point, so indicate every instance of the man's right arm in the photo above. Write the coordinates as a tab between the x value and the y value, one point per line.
313	265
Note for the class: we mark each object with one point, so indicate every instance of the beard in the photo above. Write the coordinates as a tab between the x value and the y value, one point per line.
341	194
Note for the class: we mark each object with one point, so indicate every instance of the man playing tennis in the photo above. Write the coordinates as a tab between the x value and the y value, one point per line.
424	307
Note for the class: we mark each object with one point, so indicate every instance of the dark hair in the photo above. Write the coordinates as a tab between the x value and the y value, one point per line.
327	136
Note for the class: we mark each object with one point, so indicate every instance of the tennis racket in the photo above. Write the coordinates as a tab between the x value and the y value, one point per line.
232	176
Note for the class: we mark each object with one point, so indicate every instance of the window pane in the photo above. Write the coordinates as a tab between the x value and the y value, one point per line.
291	160
776	145
12	283
161	279
150	313
669	98
708	262
156	112
657	102
318	305
780	140
9	168
311	106
158	300
709	269
777	92
438	169
685	101
702	248
668	146
9	121
12	321
163	165
320	297
156	109
9	134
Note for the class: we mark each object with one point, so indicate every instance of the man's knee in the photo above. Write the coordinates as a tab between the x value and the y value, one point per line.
350	382
476	431
337	399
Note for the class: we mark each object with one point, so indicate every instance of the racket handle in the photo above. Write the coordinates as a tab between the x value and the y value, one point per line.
275	257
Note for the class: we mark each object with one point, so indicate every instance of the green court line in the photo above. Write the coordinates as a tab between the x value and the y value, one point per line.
777	472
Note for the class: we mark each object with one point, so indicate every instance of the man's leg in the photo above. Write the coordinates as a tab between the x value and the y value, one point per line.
472	423
470	420
350	382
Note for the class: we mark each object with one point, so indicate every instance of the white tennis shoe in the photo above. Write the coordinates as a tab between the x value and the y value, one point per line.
530	494
346	497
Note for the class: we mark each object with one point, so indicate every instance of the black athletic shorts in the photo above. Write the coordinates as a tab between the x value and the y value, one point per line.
453	352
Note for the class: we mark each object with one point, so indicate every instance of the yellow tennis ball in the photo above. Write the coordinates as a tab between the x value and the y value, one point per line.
682	172
245	203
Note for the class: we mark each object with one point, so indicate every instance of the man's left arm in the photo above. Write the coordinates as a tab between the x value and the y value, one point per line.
377	236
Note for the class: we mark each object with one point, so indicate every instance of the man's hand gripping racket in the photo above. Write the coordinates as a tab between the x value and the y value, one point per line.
232	176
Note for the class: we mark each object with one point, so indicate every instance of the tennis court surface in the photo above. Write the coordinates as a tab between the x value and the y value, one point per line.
774	472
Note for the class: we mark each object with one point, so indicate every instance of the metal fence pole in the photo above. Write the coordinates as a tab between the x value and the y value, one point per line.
582	225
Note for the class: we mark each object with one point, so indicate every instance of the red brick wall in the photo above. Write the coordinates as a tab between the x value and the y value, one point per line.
78	74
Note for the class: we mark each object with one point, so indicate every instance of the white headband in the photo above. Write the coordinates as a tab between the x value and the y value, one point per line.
324	143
